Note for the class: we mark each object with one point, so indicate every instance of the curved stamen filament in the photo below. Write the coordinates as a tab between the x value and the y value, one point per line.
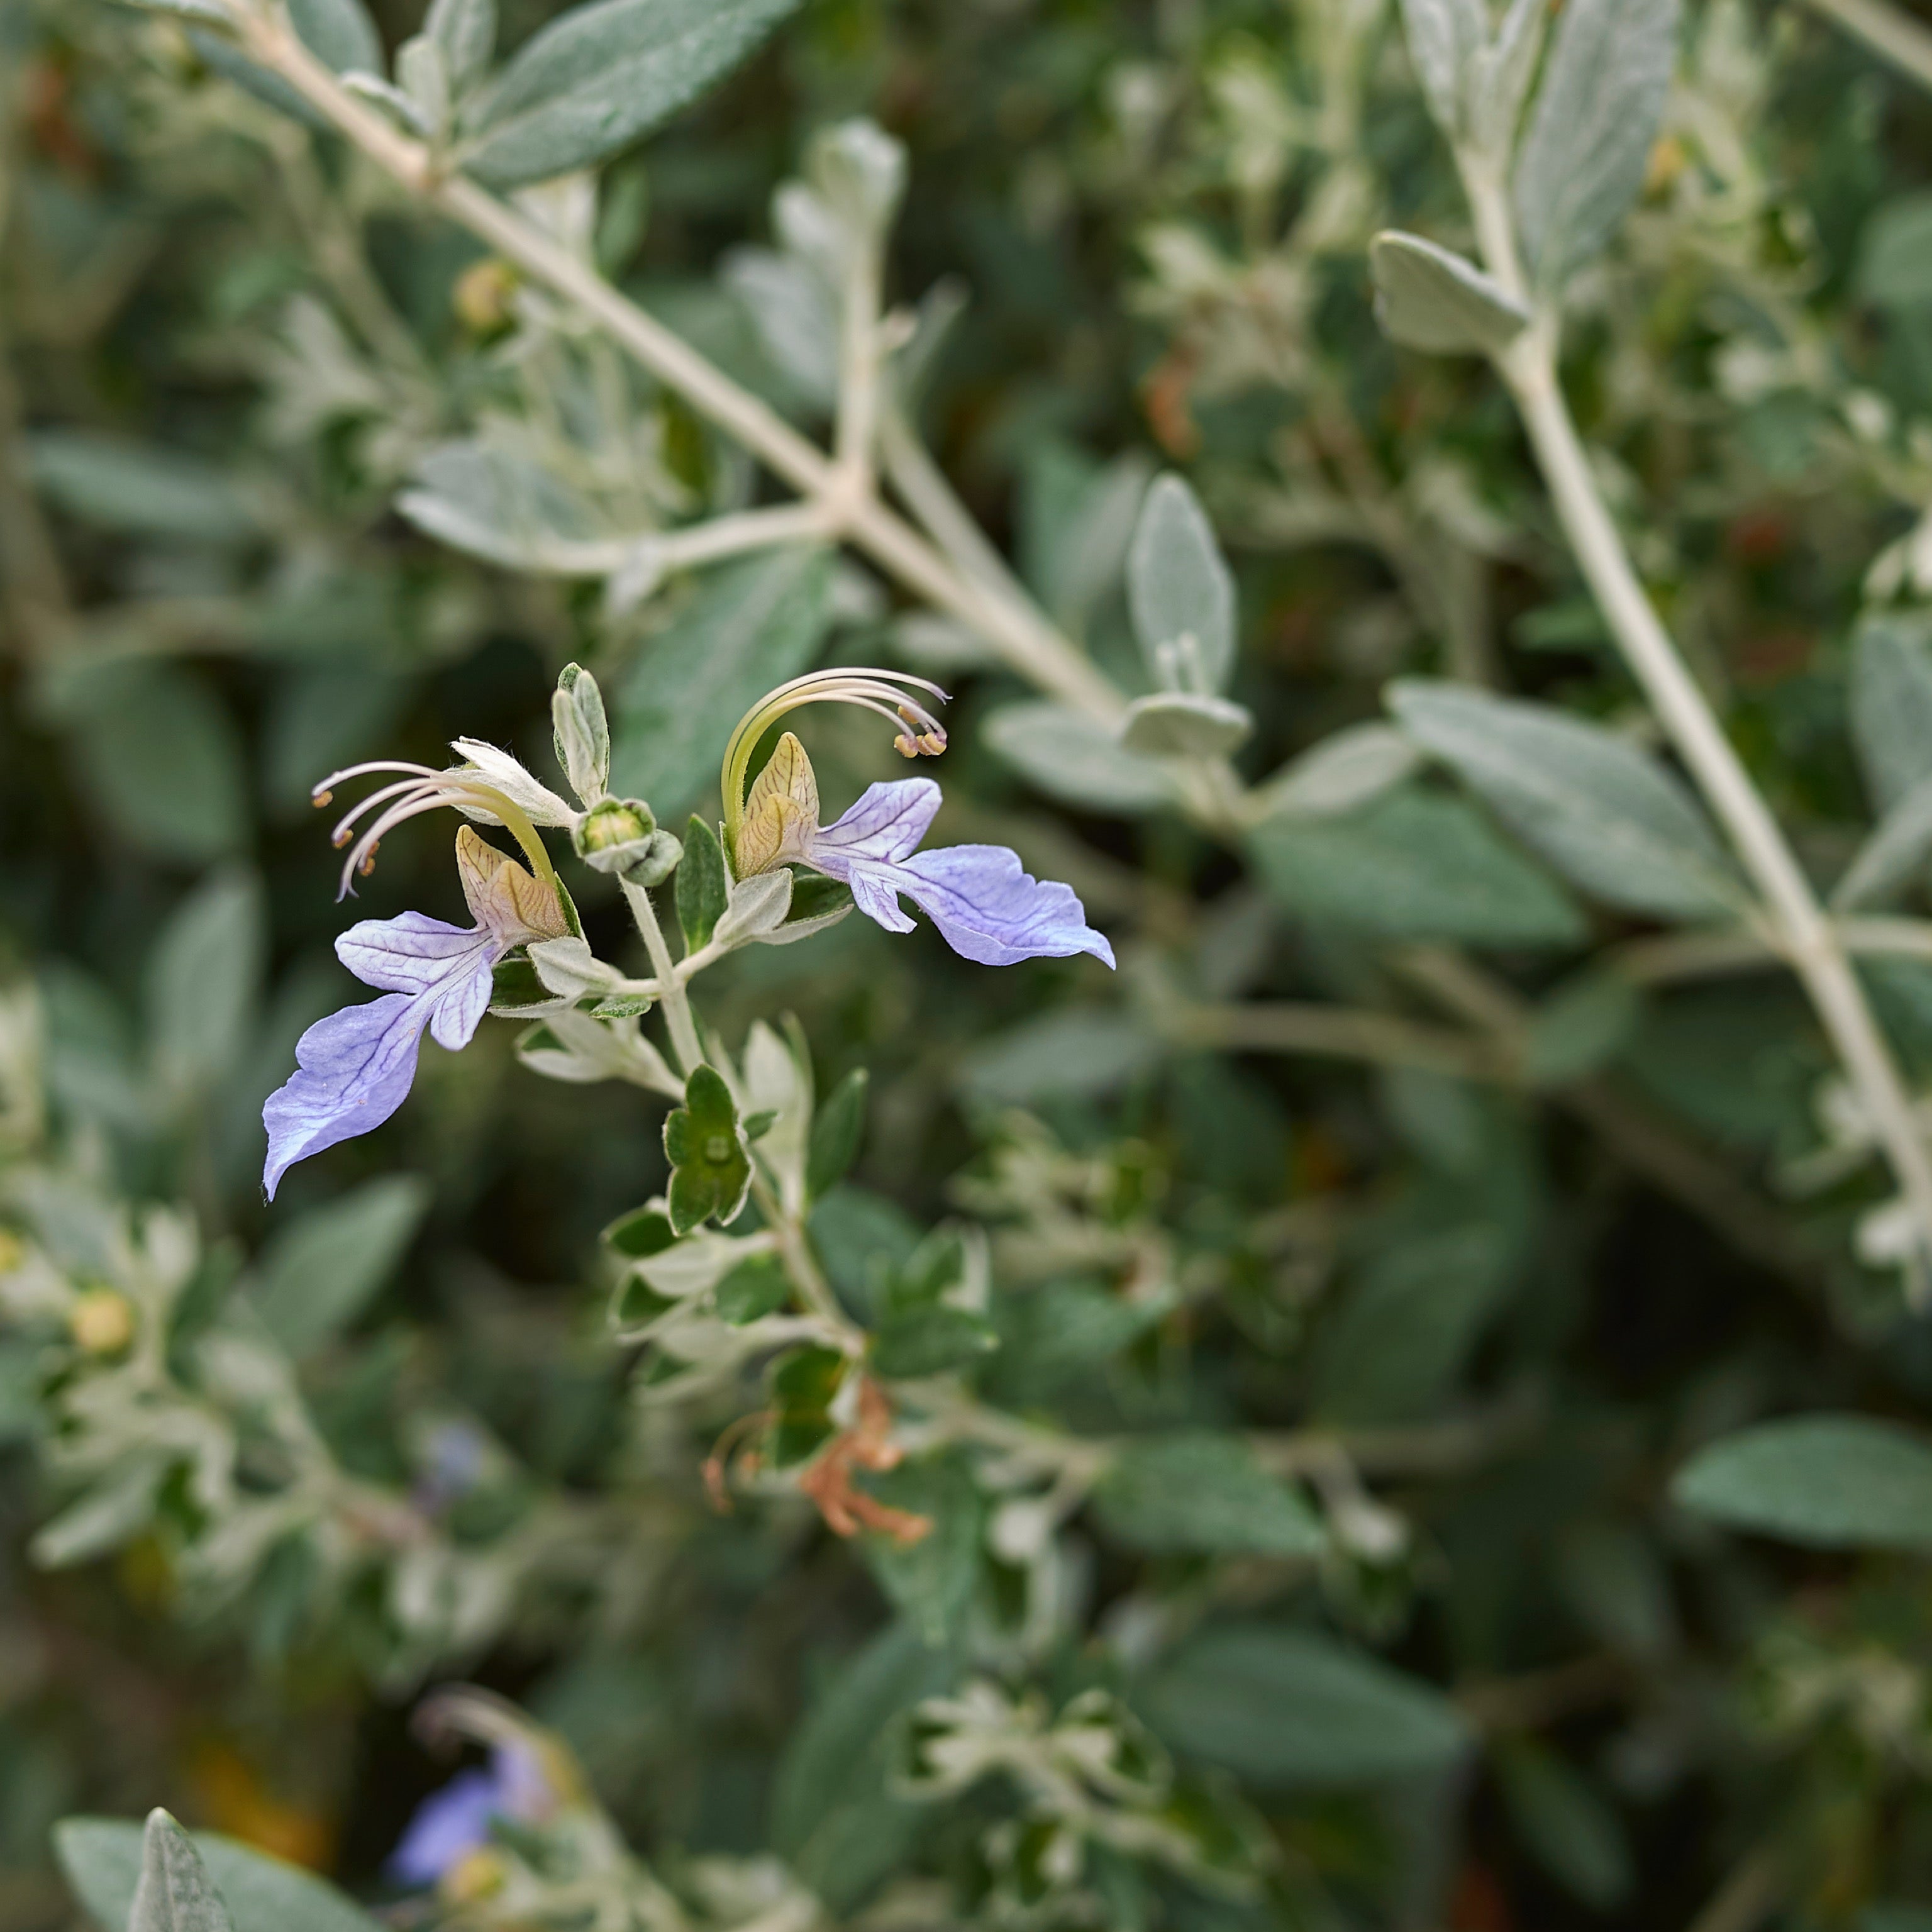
893	695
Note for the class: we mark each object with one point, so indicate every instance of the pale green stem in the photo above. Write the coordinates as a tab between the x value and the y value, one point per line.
1804	932
856	432
676	1001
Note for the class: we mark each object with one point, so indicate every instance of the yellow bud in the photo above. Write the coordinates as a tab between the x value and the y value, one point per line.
474	1875
101	1320
1667	162
13	1251
481	296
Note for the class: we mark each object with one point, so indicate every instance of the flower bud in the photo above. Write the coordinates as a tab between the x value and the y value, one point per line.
101	1320
582	735
860	171
614	834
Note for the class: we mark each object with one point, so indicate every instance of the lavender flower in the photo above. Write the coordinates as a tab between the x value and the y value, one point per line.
450	1823
355	1068
986	906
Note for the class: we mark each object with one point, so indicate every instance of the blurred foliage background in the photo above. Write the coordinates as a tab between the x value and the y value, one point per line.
1480	1289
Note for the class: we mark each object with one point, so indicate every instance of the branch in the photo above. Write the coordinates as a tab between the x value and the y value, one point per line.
1342	1033
1892	35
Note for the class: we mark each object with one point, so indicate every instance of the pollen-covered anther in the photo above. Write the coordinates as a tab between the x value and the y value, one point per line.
321	797
368	864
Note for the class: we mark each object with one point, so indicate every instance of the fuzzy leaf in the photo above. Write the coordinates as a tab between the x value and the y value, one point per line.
711	1168
1429	298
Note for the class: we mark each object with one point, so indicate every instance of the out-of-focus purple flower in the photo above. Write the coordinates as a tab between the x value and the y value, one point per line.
985	905
355	1068
450	1824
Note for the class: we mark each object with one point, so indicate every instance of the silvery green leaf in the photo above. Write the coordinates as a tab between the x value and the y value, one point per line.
119	485
1079	1052
582	1048
1892	703
211	12
938	310
1604	812
1444	38
401	108
502	508
103	1518
1193	1490
203	983
1077	520
933	643
581	733
598	76
466	31
423	73
1834	1482
101	1858
175	1893
339	33
1500	77
1573	1832
1430	298
860	171
755	907
1414	866
1179	587
1597	113
1889	858
1895	269
752	624
1346	769
1178	724
570	969
1580	1028
1064	753
1281	1706
795	316
320	1270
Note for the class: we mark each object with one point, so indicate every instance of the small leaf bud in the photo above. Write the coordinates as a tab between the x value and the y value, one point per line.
582	735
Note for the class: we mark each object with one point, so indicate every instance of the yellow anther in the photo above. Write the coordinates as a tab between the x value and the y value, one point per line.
101	1320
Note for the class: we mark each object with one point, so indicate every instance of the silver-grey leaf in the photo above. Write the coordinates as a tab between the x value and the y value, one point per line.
1892	703
1060	749
1346	770
1179	587
1596	116
1898	849
1429	297
1599	809
600	76
466	31
176	1893
1179	725
1500	77
1444	37
339	33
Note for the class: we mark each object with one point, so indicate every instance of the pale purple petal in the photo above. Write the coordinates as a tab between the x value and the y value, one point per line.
989	907
355	1068
985	904
887	824
450	1823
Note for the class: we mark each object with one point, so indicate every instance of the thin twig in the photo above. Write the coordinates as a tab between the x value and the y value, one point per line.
1753	1891
1343	1033
1892	35
1804	932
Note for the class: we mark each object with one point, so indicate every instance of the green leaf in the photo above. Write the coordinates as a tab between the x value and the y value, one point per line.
1889	860
159	755
1406	1330
757	1287
1429	297
1063	751
1081	1051
929	1342
1444	37
838	1128
1347	770
1414	866
703	886
175	1893
1894	270
929	1583
1571	1832
320	1270
204	982
137	490
711	1167
1180	593
1604	813
1181	725
1283	1708
594	80
832	1818
339	33
101	1858
802	1386
642	1233
103	1517
1892	704
1580	1028
752	624
1835	1482
497	505
1582	162
465	32
1199	1491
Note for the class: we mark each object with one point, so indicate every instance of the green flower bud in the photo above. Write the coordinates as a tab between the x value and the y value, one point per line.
615	834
